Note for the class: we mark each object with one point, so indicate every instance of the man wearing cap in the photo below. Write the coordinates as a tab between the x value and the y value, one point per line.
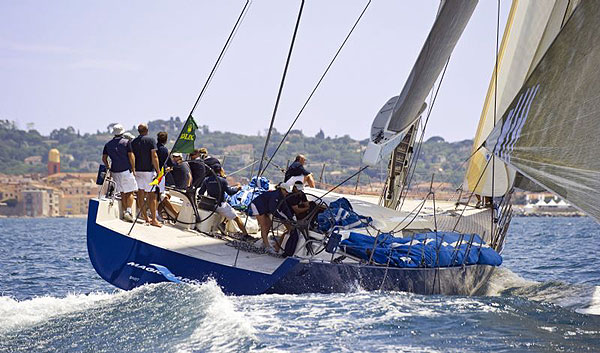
146	168
182	175
296	172
122	162
267	204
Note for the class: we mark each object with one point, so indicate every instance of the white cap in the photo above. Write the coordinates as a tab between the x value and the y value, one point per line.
177	154
285	186
299	185
117	129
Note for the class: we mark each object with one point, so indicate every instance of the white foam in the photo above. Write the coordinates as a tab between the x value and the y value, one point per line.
593	308
14	313
223	328
503	279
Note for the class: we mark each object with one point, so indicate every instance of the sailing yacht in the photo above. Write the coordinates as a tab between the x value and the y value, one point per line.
420	246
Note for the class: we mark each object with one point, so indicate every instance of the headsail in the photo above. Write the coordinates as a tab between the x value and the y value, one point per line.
402	111
530	29
550	131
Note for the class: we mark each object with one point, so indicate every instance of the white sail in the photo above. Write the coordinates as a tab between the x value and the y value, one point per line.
550	132
401	112
531	27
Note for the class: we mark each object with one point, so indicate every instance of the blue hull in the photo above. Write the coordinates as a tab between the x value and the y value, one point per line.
128	263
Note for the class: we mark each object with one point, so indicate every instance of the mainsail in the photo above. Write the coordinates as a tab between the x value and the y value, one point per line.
400	112
550	131
530	29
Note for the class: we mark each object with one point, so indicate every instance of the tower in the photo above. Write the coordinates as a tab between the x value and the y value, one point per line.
53	161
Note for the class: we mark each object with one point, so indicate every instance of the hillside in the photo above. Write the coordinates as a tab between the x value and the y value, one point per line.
340	155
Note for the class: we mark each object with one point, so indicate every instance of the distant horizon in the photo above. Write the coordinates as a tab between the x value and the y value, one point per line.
19	126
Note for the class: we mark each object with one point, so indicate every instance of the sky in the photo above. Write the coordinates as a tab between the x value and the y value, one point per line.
88	64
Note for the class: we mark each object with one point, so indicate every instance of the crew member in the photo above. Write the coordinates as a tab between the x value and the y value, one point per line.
146	168
198	168
267	204
296	171
163	162
217	187
122	162
182	176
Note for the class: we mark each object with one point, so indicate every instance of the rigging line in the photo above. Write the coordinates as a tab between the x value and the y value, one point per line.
243	168
495	117
287	63
223	51
344	181
470	196
318	83
416	158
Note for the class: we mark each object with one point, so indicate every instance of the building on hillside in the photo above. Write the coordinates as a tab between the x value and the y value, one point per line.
53	161
33	160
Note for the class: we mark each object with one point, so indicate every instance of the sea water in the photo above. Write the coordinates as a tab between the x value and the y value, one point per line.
544	298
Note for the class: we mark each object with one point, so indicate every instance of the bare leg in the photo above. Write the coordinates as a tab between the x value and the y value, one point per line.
265	223
241	225
170	209
141	204
127	200
152	202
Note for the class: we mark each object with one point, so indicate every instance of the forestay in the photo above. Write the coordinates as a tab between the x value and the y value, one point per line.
550	131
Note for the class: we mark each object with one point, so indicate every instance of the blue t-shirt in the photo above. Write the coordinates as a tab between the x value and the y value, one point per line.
266	203
295	169
117	150
163	153
142	147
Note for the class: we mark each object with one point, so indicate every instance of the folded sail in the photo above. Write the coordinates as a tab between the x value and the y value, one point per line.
530	29
452	19
551	129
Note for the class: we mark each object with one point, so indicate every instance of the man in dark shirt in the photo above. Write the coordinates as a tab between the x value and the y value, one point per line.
164	162
182	176
270	203
210	161
198	168
217	187
297	172
121	168
146	168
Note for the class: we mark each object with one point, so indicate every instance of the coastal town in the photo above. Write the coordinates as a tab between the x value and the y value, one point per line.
67	194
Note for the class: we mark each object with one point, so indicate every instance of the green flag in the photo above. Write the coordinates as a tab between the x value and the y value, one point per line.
185	142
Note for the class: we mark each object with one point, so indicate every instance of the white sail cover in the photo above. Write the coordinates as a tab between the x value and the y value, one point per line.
449	24
531	26
551	129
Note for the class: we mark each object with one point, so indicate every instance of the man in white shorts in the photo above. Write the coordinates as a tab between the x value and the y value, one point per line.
146	169
122	161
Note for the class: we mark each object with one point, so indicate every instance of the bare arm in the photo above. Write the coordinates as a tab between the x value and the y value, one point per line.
132	161
105	160
189	179
155	161
310	180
